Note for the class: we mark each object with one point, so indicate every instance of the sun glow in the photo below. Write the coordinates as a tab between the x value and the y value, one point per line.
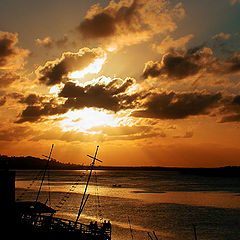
56	89
111	48
86	119
94	67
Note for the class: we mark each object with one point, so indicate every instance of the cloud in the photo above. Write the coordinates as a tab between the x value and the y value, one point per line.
177	105
176	65
172	66
101	133
128	22
55	72
49	43
3	101
31	99
7	78
232	64
15	133
69	136
34	113
231	118
11	56
222	35
126	132
121	130
188	134
230	109
170	43
111	96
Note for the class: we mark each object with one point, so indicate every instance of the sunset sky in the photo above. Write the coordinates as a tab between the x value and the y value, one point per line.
153	83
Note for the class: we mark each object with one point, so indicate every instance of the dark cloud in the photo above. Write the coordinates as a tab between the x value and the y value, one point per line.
129	21
31	99
110	96
232	64
231	118
108	22
7	78
236	100
11	56
101	25
177	106
3	101
230	109
34	113
55	72
175	65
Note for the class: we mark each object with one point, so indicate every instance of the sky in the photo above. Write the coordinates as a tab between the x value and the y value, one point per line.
153	83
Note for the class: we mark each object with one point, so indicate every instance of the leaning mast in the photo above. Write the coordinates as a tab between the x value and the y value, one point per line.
84	200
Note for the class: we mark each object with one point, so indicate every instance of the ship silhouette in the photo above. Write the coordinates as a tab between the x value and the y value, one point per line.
34	219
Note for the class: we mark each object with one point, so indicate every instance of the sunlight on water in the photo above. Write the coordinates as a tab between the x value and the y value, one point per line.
167	203
211	199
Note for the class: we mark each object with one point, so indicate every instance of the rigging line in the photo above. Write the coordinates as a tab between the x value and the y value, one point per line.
149	236
40	187
130	227
155	235
85	200
99	212
37	177
62	201
49	192
67	195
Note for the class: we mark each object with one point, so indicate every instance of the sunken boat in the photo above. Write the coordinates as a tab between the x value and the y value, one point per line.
34	219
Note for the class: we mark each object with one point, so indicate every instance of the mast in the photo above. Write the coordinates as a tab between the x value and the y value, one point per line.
83	202
44	173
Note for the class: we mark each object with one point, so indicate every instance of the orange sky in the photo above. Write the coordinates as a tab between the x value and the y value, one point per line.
153	83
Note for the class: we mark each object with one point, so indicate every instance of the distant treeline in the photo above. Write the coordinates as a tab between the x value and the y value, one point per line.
33	163
37	163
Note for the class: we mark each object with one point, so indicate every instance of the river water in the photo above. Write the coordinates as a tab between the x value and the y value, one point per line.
166	202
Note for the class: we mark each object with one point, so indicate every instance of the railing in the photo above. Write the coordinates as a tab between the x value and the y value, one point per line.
53	224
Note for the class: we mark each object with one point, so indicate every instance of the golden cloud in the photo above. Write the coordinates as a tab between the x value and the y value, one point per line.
130	22
55	72
11	56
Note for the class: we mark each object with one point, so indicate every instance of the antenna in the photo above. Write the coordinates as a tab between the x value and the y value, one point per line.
83	202
45	170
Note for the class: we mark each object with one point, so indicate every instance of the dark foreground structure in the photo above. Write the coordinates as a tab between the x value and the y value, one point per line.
33	220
